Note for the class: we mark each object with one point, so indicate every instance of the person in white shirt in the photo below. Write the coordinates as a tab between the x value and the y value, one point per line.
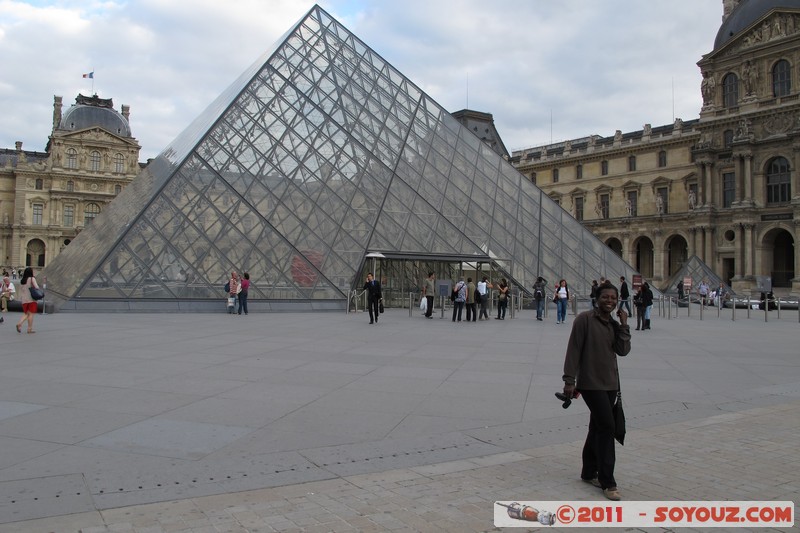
7	292
483	289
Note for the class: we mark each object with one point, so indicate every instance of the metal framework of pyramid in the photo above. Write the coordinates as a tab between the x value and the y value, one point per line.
320	153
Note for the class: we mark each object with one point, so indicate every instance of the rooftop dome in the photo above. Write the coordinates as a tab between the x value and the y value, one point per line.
745	14
94	112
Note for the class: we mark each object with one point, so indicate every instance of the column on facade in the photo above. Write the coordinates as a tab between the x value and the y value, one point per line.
710	194
708	237
740	252
739	177
658	254
748	177
748	250
701	248
693	242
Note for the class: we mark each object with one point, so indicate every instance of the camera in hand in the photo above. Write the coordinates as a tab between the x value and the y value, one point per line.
564	398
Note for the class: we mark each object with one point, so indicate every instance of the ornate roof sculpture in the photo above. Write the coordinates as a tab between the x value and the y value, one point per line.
318	154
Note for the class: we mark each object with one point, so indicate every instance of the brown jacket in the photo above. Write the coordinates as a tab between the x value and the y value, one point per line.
591	360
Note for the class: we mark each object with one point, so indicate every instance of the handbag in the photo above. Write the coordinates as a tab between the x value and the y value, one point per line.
37	294
380	305
231	301
619	419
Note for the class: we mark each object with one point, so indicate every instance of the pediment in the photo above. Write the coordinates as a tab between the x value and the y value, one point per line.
770	28
90	136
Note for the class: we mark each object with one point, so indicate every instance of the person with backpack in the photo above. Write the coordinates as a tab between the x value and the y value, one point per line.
539	296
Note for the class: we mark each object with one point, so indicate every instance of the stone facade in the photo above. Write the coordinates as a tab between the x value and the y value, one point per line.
47	198
724	187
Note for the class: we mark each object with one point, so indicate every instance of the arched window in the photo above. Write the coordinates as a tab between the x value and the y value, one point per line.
781	78
94	161
730	90
72	158
91	211
778	181
119	164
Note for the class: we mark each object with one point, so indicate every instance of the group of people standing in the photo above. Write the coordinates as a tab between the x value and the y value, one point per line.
237	288
467	294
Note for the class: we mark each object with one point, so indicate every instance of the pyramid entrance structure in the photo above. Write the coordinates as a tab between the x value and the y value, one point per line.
318	158
696	269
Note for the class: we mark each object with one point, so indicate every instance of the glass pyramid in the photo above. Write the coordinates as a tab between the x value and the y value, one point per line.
320	153
698	271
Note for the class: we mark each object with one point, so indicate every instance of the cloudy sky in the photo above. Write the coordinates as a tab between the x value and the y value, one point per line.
546	69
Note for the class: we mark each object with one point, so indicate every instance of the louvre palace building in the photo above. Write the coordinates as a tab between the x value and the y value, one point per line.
47	198
724	187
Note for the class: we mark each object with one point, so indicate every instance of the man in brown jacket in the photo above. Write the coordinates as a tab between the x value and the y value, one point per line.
590	368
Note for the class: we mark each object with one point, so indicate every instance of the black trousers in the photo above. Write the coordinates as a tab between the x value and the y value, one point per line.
484	314
429	310
472	312
373	308
457	308
599	455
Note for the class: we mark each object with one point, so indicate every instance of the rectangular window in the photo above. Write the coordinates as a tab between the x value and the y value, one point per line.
728	188
94	161
579	172
579	208
632	163
662	158
604	208
69	216
38	209
604	168
632	204
663	192
555	175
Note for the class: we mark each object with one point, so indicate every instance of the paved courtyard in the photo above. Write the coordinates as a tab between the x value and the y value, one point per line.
321	422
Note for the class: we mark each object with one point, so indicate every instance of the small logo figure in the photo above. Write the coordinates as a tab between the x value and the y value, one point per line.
518	511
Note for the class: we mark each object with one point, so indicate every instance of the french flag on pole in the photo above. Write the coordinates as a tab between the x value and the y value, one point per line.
89	75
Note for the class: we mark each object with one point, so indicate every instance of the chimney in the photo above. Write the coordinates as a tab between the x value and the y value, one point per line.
126	112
